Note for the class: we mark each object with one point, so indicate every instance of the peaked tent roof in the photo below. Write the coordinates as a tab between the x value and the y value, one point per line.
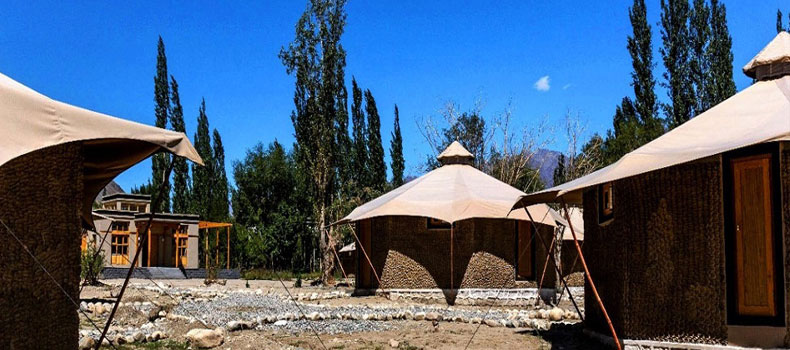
452	193
777	51
758	114
454	150
31	121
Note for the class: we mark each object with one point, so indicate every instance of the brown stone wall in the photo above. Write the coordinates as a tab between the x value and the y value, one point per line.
41	198
570	262
785	183
407	255
659	263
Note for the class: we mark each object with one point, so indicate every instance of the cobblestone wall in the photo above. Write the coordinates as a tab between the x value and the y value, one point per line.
41	198
407	255
663	250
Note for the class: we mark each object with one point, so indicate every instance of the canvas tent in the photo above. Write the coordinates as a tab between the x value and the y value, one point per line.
54	159
450	228
696	222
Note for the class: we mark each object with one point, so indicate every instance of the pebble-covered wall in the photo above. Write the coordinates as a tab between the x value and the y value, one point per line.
41	198
408	255
659	263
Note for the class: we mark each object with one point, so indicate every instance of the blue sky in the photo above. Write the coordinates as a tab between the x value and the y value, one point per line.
101	56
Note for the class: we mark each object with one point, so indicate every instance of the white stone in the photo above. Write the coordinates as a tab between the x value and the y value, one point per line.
281	323
556	314
87	343
394	343
138	336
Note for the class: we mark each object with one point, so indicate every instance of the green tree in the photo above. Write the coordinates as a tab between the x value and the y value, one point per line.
317	61
219	189
720	85
779	25
640	48
376	165
699	62
470	130
397	162
559	172
180	167
159	161
269	209
202	176
675	52
359	154
625	136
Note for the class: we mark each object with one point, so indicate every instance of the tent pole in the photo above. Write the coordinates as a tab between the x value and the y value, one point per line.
557	269
546	264
589	277
157	201
339	263
227	258
366	254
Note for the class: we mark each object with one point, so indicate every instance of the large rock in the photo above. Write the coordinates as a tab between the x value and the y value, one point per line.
433	316
87	343
556	314
205	338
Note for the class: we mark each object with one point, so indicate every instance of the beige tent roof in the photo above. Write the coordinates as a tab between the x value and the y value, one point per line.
454	150
451	193
577	220
758	114
777	51
31	121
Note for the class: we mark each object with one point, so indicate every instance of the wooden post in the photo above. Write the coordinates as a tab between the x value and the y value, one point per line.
216	248
178	258
149	245
589	277
227	256
205	251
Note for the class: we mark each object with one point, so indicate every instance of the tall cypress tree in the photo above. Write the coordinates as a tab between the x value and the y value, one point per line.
559	176
202	176
396	152
640	49
359	153
159	162
219	203
675	52
180	167
720	85
699	60
779	24
378	169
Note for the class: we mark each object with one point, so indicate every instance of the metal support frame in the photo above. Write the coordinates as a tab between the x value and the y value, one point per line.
589	277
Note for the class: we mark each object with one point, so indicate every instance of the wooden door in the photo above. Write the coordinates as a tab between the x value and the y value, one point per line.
524	258
365	272
754	232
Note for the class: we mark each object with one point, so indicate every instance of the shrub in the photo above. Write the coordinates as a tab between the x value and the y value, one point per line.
91	265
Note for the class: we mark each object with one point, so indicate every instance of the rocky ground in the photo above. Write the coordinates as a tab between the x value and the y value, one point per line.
186	314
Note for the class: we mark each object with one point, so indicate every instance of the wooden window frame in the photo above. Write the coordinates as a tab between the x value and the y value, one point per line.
605	203
119	248
436	224
733	317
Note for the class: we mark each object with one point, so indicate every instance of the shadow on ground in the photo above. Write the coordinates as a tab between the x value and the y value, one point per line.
567	337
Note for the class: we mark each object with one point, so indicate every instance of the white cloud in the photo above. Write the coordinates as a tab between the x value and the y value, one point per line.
543	84
567	86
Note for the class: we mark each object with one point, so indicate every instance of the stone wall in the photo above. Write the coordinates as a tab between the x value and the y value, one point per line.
408	255
785	182
41	198
663	250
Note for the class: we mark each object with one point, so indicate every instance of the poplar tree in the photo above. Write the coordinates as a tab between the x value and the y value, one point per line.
559	176
317	60
180	167
720	85
699	62
779	24
359	154
377	167
202	175
396	152
159	161
675	52
640	48
219	189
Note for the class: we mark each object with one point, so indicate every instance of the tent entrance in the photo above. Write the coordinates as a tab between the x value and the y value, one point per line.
754	274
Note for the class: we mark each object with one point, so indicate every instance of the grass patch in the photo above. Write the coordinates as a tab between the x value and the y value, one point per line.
267	274
159	345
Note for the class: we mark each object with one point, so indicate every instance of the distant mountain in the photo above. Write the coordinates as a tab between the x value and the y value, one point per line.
111	188
545	160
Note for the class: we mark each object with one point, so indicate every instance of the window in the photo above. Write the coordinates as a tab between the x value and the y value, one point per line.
109	206
120	249
436	224
124	206
120	226
181	238
605	202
